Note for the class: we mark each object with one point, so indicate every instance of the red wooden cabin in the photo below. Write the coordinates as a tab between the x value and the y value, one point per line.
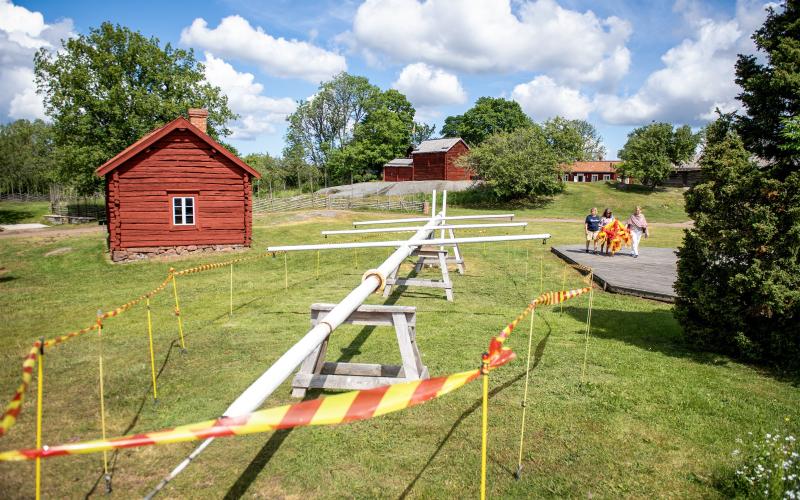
177	190
591	171
431	160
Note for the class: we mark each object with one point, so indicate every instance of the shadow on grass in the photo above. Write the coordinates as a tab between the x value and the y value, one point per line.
112	462
14	216
538	354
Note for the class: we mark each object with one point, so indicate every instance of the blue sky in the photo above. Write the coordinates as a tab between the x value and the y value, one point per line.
618	64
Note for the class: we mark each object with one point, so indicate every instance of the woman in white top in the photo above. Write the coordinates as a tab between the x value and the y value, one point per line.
637	225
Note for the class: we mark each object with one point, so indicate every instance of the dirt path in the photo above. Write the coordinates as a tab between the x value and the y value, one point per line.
52	232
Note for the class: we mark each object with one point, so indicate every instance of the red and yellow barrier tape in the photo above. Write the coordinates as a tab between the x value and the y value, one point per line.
332	410
14	407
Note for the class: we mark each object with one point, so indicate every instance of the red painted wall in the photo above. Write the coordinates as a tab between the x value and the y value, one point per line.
396	174
440	165
452	172
587	176
140	192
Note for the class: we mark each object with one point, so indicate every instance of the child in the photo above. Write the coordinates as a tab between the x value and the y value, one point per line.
591	227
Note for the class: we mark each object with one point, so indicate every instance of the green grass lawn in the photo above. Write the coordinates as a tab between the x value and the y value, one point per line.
663	205
654	419
19	212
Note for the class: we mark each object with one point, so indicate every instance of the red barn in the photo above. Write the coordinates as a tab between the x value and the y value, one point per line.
431	160
177	190
399	169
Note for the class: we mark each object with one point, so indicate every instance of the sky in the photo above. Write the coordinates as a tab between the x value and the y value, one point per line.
618	64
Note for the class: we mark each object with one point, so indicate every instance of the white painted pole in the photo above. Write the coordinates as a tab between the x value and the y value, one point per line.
255	395
411	229
425	219
412	241
444	215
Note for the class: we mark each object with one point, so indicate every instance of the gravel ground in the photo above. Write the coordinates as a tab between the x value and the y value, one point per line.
394	188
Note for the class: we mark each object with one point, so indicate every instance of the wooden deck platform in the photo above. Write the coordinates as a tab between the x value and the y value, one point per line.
651	276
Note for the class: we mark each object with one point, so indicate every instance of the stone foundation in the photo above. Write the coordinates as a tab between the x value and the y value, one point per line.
139	253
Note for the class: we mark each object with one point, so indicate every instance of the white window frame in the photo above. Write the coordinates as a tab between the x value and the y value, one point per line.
595	177
579	178
606	177
181	211
566	177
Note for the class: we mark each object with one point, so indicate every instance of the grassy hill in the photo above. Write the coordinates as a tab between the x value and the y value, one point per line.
653	418
663	205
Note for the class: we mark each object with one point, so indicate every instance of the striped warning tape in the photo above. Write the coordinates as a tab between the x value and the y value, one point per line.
332	410
548	298
342	408
14	407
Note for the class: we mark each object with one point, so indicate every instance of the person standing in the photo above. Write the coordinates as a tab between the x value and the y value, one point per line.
591	227
607	218
637	225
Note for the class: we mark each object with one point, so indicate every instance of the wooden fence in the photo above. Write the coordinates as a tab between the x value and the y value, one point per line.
309	201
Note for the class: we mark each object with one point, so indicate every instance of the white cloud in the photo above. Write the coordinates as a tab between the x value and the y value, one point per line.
543	98
258	113
698	74
22	32
490	36
426	86
235	38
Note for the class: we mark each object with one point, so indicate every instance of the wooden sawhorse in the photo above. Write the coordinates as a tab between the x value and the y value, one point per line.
426	254
316	373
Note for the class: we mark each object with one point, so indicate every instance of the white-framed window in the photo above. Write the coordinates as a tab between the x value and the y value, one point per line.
578	178
606	177
566	177
183	210
594	177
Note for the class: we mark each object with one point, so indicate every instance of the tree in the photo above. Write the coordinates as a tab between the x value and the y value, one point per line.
519	164
325	124
26	156
421	132
739	266
574	140
770	88
652	151
107	89
487	116
383	134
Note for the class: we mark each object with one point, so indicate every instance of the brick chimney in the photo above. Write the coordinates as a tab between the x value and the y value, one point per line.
198	118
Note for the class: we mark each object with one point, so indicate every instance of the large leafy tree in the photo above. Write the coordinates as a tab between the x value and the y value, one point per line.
106	89
739	266
519	164
488	116
324	125
26	156
350	128
652	151
574	140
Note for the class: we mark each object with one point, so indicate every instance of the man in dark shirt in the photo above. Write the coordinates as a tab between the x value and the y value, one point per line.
591	227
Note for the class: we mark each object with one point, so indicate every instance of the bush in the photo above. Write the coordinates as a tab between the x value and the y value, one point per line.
738	267
516	165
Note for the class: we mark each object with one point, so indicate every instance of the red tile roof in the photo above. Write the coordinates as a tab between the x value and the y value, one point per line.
592	167
151	137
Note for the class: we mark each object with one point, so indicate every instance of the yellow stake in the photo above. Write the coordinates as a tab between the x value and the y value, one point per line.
317	264
102	396
177	308
40	385
525	397
484	422
231	309
526	264
588	327
152	356
285	272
